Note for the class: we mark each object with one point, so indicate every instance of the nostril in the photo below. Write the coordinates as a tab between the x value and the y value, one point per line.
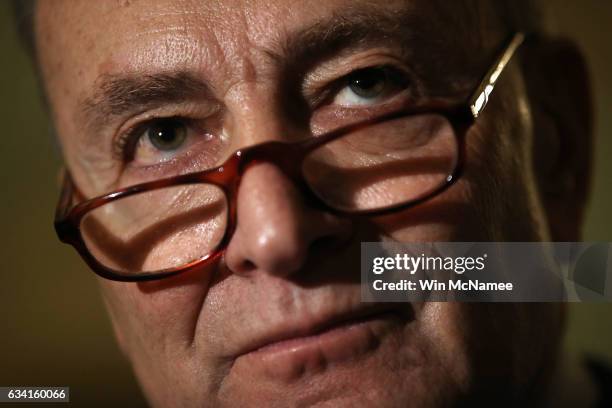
247	266
242	267
325	243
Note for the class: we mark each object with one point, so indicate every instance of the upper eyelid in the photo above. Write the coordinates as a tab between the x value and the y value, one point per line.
343	65
335	85
187	109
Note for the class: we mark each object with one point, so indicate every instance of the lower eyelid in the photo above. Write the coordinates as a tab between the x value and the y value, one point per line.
384	104
357	104
189	142
187	159
331	116
399	85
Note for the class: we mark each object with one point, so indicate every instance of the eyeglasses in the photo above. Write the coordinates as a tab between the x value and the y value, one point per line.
161	228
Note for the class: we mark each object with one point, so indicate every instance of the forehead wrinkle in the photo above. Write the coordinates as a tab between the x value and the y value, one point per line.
181	43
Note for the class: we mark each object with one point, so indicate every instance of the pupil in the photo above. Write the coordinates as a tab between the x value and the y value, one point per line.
167	134
368	82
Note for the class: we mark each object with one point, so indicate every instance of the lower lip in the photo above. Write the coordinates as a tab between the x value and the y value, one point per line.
293	358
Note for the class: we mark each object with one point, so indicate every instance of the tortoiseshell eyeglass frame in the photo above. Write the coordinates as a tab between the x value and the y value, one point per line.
287	156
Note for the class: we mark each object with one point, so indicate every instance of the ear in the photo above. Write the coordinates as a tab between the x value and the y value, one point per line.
558	88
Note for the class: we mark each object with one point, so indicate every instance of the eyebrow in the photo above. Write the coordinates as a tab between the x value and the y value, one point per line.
119	93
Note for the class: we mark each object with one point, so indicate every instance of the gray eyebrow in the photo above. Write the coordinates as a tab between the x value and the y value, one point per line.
119	93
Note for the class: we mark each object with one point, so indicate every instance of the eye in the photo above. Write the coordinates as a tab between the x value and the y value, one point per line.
164	139
369	86
166	135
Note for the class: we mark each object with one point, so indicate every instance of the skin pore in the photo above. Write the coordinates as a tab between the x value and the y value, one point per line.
245	72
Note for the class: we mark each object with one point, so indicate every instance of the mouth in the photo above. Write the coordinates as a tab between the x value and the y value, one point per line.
312	345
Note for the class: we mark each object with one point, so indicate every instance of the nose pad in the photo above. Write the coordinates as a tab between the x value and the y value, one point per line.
275	228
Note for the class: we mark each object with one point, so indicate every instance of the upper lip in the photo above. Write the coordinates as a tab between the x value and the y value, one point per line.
311	326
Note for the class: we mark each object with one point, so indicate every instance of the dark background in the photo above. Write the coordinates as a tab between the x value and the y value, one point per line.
53	327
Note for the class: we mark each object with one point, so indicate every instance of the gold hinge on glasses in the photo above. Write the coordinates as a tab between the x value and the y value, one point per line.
481	95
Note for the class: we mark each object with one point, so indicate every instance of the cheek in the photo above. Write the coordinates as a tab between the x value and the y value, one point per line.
495	199
156	323
456	215
472	345
91	167
445	325
157	317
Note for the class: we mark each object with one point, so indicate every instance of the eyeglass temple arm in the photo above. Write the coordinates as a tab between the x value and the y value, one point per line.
480	97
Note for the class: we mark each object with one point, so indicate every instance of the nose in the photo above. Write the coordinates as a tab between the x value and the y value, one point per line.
276	229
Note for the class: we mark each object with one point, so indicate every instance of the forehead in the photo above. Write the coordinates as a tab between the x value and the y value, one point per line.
139	34
143	35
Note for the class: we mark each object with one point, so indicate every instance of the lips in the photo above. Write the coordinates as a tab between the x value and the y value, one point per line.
321	325
311	344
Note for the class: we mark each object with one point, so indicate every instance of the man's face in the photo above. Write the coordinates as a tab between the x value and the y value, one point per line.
278	319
